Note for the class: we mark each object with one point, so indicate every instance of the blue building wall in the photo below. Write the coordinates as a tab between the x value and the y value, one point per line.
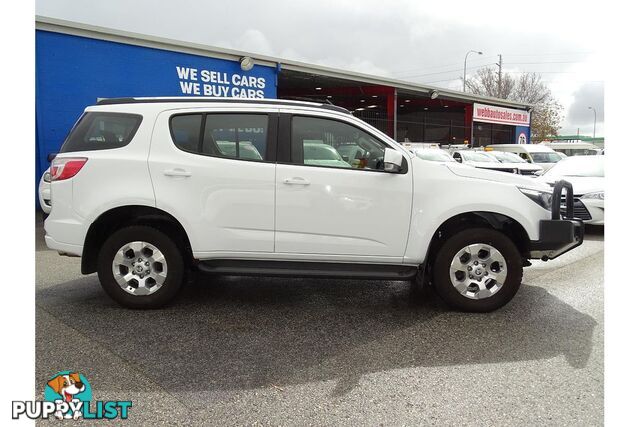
522	133
72	72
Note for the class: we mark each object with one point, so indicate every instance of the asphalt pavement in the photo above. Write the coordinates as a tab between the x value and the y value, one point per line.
272	351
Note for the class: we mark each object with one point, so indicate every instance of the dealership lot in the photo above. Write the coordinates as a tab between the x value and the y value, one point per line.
237	350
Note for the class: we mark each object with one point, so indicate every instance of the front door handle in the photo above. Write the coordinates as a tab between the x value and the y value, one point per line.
177	172
296	181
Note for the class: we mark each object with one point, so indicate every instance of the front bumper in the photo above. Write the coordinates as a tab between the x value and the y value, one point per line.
558	235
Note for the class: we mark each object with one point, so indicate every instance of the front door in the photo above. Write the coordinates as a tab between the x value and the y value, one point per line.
333	199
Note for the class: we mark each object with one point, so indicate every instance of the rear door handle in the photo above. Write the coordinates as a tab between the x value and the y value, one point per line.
296	181
177	172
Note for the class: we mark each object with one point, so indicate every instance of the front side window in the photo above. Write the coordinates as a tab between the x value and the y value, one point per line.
330	143
101	131
237	136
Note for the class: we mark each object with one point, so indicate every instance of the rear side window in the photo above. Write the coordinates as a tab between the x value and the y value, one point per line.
239	136
236	136
101	131
185	131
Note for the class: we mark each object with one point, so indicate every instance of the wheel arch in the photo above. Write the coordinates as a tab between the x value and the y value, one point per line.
497	221
122	216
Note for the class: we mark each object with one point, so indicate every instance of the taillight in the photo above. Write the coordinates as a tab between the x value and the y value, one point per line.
66	168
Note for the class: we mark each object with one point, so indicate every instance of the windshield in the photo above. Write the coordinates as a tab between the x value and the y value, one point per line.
585	166
545	157
475	156
504	157
319	151
435	155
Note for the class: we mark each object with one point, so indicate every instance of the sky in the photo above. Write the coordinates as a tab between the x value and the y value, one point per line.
410	40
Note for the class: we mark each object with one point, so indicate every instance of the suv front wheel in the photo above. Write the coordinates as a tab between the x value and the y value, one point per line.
478	270
140	267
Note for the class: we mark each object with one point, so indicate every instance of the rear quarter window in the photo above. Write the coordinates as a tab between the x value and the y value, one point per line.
101	131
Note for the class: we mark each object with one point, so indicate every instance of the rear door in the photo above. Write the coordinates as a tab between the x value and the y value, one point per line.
333	200
214	171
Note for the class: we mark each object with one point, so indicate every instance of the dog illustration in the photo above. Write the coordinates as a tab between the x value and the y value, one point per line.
67	386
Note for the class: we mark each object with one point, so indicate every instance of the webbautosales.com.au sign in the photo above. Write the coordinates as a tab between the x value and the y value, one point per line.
501	115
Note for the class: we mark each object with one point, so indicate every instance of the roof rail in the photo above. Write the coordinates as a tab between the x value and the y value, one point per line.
149	100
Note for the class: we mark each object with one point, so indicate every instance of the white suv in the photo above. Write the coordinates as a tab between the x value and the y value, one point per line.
146	189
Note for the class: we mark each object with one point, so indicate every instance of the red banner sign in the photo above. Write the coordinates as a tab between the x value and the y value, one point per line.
506	116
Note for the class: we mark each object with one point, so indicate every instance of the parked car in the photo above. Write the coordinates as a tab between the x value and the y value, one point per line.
143	193
574	148
482	160
516	162
533	153
434	155
586	174
44	192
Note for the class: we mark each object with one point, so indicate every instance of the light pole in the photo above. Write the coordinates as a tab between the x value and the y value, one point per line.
594	121
464	78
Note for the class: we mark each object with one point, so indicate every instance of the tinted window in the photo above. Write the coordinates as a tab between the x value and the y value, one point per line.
101	131
325	142
239	136
185	131
545	157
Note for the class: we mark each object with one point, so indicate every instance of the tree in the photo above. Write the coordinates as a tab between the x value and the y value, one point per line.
528	88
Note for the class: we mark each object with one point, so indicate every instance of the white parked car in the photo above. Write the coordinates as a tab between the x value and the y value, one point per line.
480	159
538	154
586	174
574	148
512	160
44	192
145	189
434	155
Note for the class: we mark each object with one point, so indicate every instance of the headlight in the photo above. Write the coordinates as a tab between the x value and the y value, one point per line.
599	195
542	198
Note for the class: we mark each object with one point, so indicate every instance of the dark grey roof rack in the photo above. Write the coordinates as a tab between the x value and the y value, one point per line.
314	104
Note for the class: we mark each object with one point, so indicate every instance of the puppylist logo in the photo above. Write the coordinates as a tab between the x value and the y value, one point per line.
68	395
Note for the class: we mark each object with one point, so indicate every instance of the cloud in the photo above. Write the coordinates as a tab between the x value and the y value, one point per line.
580	116
424	42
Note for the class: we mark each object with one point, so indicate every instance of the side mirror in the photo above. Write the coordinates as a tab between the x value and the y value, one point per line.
51	156
392	160
458	159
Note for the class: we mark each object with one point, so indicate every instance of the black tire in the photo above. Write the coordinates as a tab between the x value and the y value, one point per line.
173	258
443	285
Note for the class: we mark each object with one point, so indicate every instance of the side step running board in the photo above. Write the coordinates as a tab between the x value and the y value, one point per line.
308	269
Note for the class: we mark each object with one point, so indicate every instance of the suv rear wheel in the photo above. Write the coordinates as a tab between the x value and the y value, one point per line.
140	267
478	270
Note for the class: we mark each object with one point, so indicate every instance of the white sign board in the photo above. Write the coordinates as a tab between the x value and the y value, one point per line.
501	115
